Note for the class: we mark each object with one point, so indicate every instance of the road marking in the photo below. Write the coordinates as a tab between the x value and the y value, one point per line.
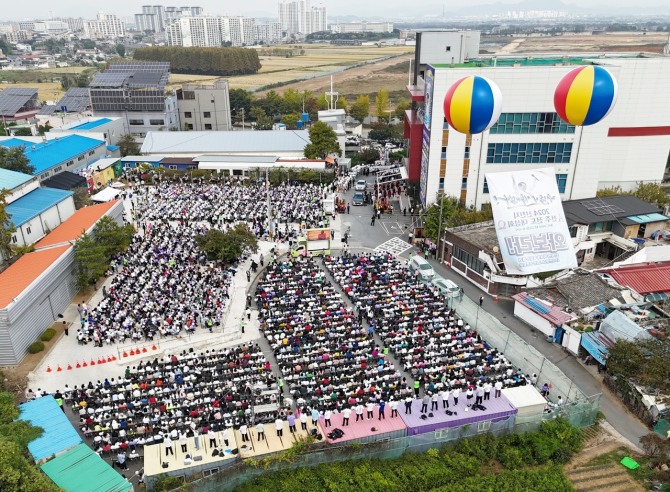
391	229
395	246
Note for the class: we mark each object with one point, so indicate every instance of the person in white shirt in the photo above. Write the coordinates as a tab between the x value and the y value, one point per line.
359	412
456	393
498	387
303	421
370	407
346	413
244	430
279	423
444	394
393	405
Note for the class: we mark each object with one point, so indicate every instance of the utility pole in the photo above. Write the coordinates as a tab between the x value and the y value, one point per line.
439	225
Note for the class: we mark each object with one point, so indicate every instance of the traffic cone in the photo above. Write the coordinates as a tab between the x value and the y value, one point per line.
109	358
154	347
144	350
495	299
69	366
59	369
137	351
113	357
132	352
101	361
78	366
92	362
84	364
125	354
48	368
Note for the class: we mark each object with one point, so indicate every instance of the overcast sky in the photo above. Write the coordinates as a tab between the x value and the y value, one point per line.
31	9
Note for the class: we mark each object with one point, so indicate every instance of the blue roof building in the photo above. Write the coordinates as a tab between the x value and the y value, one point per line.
35	203
90	125
11	179
66	153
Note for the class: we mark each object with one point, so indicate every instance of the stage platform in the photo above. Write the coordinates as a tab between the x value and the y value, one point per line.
365	431
272	443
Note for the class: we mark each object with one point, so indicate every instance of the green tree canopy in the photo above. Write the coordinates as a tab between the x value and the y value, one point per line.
263	121
644	362
7	227
382	102
128	145
291	120
239	98
14	159
360	109
121	50
227	247
323	141
454	214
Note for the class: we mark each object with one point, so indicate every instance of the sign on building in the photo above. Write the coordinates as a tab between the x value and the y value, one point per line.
530	224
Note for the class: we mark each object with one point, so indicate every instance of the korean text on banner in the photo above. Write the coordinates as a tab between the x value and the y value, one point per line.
530	223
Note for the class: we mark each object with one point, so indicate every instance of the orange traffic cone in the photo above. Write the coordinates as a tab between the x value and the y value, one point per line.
125	354
144	350
59	369
109	358
101	361
113	357
48	368
78	365
132	352
69	366
84	364
495	299
154	347
92	362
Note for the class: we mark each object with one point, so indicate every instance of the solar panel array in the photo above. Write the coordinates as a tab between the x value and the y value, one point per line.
13	99
76	100
133	74
109	79
599	207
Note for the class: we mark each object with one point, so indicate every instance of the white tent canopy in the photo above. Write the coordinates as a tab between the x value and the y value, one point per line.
105	195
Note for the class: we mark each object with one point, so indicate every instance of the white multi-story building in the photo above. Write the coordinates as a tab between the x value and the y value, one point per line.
631	145
362	27
195	31
269	32
51	27
106	26
238	30
299	17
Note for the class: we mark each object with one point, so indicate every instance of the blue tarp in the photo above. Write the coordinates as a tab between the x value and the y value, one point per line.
594	345
58	435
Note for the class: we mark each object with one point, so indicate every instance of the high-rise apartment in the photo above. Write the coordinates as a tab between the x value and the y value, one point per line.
299	17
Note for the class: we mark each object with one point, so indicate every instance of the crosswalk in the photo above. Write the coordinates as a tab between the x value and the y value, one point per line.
395	246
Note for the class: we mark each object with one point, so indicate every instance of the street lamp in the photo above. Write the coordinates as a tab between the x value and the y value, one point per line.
241	110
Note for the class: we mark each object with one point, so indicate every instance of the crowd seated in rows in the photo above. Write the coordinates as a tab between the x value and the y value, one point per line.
186	394
418	327
327	358
163	287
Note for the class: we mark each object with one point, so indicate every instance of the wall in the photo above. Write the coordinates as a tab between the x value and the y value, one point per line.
571	340
44	223
533	319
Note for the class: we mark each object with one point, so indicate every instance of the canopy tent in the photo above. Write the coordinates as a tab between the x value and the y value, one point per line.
82	470
106	195
58	435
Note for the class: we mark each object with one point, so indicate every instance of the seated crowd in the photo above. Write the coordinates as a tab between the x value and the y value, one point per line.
415	323
163	285
178	396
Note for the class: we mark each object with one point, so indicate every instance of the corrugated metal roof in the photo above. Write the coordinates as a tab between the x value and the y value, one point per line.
551	313
44	156
25	271
34	203
12	179
225	142
249	159
82	470
619	326
89	125
70	230
58	435
643	278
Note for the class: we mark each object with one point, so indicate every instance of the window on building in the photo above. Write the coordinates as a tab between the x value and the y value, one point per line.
466	153
189	126
448	48
573	231
157	122
561	181
91	152
464	184
530	123
469	260
44	175
28	230
441	184
529	153
135	122
69	163
81	157
15	239
188	114
208	126
206	114
172	166
485	189
483	426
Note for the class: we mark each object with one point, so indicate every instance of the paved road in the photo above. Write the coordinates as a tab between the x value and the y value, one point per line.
585	377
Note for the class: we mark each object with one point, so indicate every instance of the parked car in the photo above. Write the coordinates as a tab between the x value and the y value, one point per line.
361	184
446	287
425	269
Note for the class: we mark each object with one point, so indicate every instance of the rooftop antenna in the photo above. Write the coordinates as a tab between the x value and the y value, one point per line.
334	96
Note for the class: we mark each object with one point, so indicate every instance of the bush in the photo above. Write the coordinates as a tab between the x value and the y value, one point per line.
36	347
48	334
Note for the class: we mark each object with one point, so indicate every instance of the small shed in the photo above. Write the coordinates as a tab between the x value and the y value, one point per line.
527	400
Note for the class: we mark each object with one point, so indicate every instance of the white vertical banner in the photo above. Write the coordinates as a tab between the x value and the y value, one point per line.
530	223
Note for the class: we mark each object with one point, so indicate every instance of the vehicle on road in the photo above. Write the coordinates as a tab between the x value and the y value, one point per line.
358	199
425	270
361	184
446	287
303	247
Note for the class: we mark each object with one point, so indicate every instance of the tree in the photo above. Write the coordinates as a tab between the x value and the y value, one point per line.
322	102
7	227
128	145
642	361
263	121
241	99
81	197
323	141
361	108
380	130
227	247
292	101
91	261
14	159
649	192
399	111
367	156
121	50
454	214
342	103
382	102
291	120
113	237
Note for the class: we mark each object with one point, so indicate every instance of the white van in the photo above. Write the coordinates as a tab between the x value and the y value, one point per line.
446	287
419	264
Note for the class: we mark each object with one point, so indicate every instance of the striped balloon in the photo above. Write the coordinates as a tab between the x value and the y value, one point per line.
585	95
472	104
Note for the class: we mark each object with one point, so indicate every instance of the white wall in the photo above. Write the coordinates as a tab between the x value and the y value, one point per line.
571	340
644	100
533	319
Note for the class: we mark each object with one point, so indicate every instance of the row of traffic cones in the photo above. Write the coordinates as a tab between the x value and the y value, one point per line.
138	351
78	365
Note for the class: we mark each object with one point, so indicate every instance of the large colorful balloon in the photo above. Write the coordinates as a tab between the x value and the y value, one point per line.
473	104
585	95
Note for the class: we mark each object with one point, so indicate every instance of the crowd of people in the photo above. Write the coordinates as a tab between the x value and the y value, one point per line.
416	324
328	359
178	397
162	286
